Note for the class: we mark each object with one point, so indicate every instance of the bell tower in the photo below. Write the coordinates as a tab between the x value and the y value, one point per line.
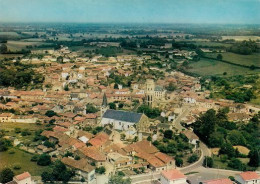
104	105
150	92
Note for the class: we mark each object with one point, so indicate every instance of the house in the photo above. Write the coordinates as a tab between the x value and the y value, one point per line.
83	168
193	138
93	155
123	120
24	178
5	117
218	181
248	177
172	176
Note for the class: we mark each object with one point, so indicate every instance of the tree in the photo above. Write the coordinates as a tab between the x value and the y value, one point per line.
150	112
168	134
236	164
149	138
112	105
205	124
118	179
227	149
116	86
6	175
216	139
101	170
171	87
208	162
58	172
219	57
121	105
50	113
4	144
254	158
3	49
178	162
44	160
91	109
193	158
235	137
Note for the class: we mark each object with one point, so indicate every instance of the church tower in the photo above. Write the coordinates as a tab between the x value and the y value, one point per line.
104	106
149	91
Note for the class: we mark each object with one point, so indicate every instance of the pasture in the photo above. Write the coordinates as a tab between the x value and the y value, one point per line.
15	157
208	67
247	60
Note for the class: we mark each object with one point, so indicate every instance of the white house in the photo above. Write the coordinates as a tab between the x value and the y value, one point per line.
172	176
248	177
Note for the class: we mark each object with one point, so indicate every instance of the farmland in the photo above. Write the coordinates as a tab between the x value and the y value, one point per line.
16	157
208	67
247	60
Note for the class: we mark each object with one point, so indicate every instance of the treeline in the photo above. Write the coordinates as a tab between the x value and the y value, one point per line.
216	131
19	76
244	47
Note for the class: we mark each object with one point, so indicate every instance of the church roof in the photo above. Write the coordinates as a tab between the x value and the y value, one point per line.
158	88
132	117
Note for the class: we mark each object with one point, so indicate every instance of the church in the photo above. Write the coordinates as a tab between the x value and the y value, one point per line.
123	120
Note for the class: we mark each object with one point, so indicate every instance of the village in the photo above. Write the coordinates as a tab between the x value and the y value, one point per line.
104	115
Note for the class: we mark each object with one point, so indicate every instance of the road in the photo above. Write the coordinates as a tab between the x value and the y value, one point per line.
148	178
205	151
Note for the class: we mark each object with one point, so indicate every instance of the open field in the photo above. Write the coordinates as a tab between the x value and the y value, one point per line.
211	44
19	45
2	56
207	67
247	60
22	159
14	34
241	38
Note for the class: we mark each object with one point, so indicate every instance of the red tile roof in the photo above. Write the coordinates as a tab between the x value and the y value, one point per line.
173	174
219	181
99	140
22	176
249	175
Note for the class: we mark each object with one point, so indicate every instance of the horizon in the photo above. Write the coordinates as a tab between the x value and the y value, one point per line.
131	11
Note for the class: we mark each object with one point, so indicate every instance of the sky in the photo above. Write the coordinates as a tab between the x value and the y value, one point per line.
131	11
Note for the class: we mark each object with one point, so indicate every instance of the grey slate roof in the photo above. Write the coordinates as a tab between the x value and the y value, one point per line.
158	88
132	117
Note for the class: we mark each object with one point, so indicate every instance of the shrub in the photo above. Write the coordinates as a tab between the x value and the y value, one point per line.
193	158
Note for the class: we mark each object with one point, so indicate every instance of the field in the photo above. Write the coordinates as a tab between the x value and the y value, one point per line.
208	67
22	159
241	38
19	45
211	44
247	60
9	129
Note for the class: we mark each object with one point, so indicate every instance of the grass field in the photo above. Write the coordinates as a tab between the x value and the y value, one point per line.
241	38
207	67
22	159
9	129
253	59
19	45
211	44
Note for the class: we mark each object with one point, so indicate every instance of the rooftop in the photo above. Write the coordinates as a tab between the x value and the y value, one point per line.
132	117
173	174
249	175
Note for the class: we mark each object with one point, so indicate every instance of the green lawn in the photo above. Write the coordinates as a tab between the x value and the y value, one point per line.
253	59
208	67
22	159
